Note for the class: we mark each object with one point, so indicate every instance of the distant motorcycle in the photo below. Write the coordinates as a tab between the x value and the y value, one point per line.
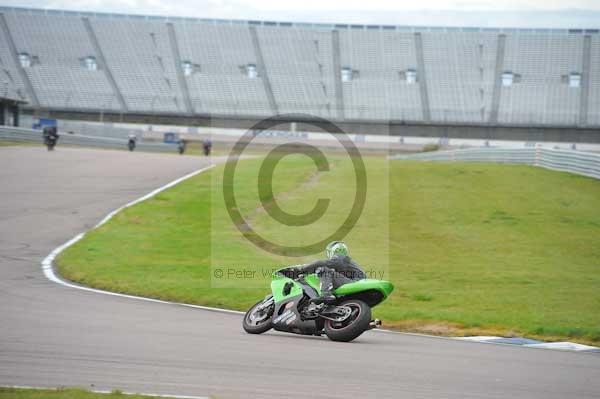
206	147
50	137
50	142
181	146
131	142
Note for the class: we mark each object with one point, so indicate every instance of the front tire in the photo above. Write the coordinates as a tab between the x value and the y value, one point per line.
258	321
356	324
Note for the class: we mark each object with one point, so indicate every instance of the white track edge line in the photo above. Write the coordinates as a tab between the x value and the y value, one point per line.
101	391
48	262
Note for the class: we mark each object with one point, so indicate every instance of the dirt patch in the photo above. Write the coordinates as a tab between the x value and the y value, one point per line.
134	220
309	182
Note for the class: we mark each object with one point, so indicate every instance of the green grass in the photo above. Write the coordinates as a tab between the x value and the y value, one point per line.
6	143
162	248
63	393
471	248
498	248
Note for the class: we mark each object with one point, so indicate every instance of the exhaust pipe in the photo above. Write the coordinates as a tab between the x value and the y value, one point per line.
375	324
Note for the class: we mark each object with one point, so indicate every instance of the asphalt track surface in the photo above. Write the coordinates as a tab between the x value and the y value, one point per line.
52	335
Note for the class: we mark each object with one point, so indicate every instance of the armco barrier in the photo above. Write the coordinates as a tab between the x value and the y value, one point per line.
578	162
35	136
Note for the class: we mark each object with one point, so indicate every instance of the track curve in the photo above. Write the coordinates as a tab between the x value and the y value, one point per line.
51	335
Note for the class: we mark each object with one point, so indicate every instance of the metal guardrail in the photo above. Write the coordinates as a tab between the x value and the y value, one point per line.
35	136
578	162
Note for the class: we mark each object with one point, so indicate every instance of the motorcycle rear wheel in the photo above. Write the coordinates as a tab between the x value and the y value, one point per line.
356	324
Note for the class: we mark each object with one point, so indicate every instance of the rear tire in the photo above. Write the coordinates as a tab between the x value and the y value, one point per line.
348	330
256	322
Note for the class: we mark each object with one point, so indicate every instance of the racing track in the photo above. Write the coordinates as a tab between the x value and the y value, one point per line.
52	335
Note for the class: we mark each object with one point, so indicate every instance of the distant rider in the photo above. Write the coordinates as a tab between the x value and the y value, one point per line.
335	271
50	134
207	146
131	141
181	146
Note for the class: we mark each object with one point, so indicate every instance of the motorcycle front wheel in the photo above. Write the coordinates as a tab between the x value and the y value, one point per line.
350	328
258	321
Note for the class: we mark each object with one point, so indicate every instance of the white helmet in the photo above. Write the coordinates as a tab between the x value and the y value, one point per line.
336	248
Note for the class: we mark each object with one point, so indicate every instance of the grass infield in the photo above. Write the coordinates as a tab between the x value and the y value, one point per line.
6	143
471	248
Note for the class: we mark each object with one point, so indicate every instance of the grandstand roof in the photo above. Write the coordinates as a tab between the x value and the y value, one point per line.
304	25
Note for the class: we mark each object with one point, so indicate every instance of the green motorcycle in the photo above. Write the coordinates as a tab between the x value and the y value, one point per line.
289	308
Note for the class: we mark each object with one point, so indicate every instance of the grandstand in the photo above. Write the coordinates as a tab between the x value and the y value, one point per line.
188	67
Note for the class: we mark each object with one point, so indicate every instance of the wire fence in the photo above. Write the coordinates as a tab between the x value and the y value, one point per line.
578	162
16	134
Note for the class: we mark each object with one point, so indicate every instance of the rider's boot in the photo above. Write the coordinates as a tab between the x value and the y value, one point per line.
327	296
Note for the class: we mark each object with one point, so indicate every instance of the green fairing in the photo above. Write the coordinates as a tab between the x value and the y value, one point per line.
385	287
278	283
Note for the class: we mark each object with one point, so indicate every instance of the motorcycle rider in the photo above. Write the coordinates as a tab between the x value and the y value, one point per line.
131	141
50	134
181	146
335	271
206	146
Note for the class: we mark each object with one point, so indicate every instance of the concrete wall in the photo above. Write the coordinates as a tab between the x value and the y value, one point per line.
520	133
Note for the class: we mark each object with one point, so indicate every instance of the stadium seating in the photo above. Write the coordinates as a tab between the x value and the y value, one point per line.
299	66
541	96
379	92
594	104
59	43
460	75
160	65
140	58
10	80
220	86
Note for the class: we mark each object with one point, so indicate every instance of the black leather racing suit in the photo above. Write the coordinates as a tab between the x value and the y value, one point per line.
50	132
333	272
